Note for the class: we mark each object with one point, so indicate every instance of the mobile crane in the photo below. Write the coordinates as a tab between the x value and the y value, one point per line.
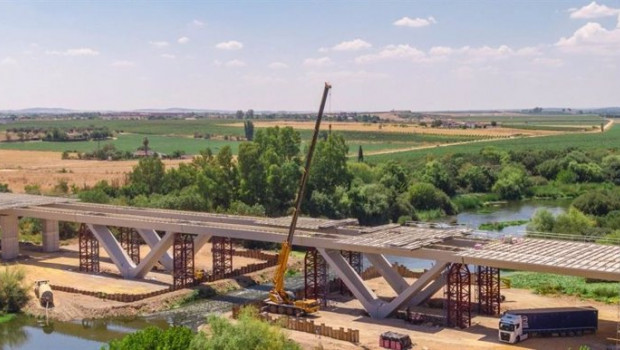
280	301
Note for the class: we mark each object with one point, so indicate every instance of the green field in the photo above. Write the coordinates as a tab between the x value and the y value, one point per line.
608	139
168	136
561	119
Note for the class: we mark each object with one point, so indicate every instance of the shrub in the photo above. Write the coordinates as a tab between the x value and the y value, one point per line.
598	203
13	293
153	338
425	196
248	333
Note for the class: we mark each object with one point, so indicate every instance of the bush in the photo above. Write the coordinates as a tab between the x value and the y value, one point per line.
598	203
13	292
425	196
153	338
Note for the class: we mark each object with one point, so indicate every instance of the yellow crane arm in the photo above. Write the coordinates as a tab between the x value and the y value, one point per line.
278	293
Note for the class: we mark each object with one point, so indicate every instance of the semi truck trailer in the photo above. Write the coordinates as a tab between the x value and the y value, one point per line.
518	325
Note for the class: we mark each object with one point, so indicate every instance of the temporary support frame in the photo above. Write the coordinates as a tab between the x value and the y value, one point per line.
315	276
88	250
222	250
183	260
489	296
458	296
130	241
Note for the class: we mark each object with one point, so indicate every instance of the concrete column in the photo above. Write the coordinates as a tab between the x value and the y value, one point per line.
10	239
156	253
152	239
429	291
118	255
51	236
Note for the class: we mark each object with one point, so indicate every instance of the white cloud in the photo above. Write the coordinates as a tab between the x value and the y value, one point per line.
235	64
258	79
197	23
548	62
183	40
391	52
278	65
123	64
229	45
592	38
593	10
8	61
323	49
318	62
352	45
440	51
415	22
168	56
84	51
159	44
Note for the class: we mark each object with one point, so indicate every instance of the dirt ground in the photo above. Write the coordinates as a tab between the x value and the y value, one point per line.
46	169
405	128
61	268
481	335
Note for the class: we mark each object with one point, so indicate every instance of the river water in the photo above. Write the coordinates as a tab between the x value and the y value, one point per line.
25	333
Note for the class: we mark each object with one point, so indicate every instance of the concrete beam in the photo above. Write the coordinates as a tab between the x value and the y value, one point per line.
156	253
200	241
152	239
10	237
352	280
391	276
118	255
51	236
407	294
429	291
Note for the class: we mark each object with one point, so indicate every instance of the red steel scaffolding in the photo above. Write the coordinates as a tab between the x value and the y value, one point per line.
489	296
315	276
88	250
222	251
183	260
458	296
130	241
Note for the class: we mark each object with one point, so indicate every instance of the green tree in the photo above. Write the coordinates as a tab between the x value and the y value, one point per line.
512	183
4	188
476	178
574	222
248	333
148	175
360	154
145	145
248	128
611	168
370	204
598	203
425	196
329	166
239	114
542	221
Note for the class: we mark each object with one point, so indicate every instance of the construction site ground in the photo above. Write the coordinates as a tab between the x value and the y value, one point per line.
342	311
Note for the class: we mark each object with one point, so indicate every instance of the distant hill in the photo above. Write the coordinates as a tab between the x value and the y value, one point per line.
39	110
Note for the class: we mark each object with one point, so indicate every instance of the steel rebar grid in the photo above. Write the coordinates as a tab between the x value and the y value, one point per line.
222	251
458	298
88	250
315	276
183	260
489	297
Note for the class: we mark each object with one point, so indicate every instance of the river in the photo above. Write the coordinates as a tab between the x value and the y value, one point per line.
26	333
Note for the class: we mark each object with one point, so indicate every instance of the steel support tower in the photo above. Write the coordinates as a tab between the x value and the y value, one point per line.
458	296
183	260
130	242
488	290
315	276
222	251
88	250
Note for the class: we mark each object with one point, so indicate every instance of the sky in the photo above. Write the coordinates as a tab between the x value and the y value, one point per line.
275	55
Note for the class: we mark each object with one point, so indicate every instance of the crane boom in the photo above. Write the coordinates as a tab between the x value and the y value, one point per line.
278	295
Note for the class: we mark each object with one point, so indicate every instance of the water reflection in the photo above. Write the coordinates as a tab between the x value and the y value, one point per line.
12	333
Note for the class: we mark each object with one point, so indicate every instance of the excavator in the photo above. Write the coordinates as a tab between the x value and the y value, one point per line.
280	301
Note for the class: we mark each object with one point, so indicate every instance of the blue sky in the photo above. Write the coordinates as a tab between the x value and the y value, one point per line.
422	55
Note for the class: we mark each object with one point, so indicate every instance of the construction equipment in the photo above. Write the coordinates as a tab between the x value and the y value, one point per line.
43	291
395	341
280	301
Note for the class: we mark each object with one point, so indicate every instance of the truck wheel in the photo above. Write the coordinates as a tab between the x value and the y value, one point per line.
518	338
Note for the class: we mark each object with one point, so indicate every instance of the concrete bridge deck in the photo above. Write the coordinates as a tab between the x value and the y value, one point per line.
442	244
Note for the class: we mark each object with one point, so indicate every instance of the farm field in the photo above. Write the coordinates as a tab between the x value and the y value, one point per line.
592	140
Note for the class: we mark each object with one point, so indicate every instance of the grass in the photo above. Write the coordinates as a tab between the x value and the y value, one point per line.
6	318
585	141
550	284
500	225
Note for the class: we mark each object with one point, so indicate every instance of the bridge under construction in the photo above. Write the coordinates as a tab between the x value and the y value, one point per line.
173	237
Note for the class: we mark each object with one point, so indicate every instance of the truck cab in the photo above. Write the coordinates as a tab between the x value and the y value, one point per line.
511	329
